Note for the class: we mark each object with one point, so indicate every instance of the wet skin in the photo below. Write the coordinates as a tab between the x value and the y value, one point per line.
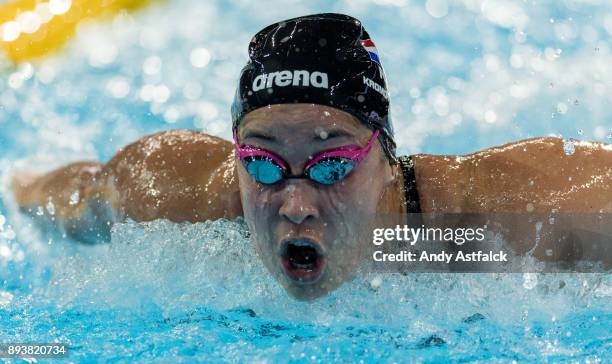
189	176
330	216
180	175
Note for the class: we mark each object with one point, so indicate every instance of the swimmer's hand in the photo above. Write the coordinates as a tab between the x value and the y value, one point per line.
22	183
71	198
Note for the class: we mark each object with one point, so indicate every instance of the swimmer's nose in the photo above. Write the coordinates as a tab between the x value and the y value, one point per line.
299	202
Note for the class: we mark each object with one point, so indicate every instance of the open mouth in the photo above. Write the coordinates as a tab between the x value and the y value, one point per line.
302	260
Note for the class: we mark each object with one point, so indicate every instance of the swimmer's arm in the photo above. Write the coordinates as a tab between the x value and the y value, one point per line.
178	175
73	198
531	175
535	175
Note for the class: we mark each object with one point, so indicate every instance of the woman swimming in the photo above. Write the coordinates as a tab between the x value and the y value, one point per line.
313	158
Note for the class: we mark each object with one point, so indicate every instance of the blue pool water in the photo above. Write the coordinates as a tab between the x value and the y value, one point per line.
463	76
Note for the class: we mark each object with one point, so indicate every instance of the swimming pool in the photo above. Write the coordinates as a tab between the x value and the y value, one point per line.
463	76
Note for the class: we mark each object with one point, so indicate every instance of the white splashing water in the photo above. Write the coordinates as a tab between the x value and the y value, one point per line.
212	264
74	198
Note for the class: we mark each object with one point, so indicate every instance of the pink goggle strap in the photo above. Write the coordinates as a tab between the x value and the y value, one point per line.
353	152
251	151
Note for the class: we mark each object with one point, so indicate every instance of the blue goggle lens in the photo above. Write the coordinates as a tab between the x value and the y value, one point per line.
331	170
264	170
326	172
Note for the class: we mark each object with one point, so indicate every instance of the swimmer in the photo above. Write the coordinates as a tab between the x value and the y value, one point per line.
313	156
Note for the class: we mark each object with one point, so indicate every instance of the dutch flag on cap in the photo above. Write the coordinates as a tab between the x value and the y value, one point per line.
371	48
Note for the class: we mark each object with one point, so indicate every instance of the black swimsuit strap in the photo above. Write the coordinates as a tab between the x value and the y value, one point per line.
410	188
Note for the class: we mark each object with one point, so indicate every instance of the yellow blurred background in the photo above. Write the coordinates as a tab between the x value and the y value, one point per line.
31	29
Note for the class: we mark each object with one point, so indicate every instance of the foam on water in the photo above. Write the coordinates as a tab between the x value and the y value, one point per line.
199	287
212	264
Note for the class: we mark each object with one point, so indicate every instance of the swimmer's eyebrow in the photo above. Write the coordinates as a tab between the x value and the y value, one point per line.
258	135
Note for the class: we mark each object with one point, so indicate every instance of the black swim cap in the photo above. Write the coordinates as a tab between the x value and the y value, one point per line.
326	59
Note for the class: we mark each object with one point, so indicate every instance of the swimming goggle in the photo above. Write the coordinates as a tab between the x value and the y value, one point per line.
326	167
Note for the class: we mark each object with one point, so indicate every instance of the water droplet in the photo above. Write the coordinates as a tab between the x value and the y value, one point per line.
530	280
200	57
74	198
9	234
10	31
568	147
376	282
50	207
59	7
5	298
561	108
118	87
437	8
321	133
29	21
161	94
152	65
171	115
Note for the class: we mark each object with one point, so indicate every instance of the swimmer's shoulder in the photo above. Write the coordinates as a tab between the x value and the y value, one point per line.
178	146
171	175
176	138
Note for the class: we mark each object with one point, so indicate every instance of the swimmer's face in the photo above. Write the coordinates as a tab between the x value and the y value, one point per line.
311	237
